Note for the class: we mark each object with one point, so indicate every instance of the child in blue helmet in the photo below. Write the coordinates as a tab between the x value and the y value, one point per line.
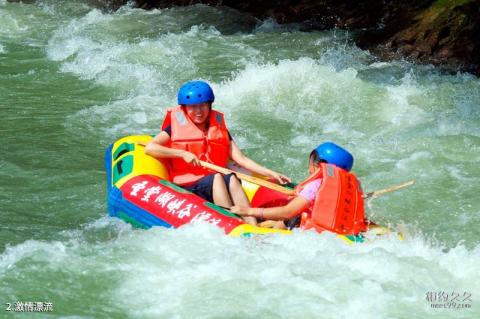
192	132
289	215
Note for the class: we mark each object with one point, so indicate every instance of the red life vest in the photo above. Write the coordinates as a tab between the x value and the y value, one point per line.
338	206
212	146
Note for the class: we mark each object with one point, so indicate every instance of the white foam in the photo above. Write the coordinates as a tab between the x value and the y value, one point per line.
268	25
409	162
182	275
65	41
399	109
271	25
38	251
281	88
197	271
135	115
446	127
146	66
315	100
13	25
344	54
379	65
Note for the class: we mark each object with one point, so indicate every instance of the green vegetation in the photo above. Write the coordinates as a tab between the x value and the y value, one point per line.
449	3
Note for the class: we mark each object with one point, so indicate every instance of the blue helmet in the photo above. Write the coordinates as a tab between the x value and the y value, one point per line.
334	154
195	92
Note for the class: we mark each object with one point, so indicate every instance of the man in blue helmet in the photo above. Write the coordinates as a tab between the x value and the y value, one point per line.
330	197
194	132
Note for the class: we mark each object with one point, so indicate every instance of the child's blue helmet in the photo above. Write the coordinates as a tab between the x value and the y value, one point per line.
195	92
334	154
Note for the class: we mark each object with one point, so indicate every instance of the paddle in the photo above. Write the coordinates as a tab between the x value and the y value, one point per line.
389	189
288	191
248	178
245	177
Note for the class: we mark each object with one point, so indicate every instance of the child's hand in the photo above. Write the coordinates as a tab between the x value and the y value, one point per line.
280	178
242	211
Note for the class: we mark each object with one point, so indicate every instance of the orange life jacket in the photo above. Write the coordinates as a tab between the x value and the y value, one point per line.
338	206
212	147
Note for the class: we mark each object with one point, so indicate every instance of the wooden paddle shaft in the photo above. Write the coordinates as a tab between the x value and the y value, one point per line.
389	189
245	177
248	178
288	191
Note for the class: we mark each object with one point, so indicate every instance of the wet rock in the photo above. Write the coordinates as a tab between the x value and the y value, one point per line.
447	33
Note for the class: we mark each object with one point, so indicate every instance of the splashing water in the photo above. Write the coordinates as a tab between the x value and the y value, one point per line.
73	79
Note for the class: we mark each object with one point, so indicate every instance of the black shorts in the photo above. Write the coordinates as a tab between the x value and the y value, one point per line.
204	186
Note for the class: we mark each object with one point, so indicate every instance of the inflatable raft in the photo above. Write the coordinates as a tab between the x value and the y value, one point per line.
139	192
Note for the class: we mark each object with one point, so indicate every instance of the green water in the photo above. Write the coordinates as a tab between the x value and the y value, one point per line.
74	79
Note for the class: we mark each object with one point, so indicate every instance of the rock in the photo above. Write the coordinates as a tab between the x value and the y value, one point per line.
447	34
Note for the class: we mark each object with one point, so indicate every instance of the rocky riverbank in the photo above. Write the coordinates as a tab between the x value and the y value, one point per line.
445	33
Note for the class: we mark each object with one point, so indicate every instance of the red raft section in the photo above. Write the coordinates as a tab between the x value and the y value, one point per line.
174	205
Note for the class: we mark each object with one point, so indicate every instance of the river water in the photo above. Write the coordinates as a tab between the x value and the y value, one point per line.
74	79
